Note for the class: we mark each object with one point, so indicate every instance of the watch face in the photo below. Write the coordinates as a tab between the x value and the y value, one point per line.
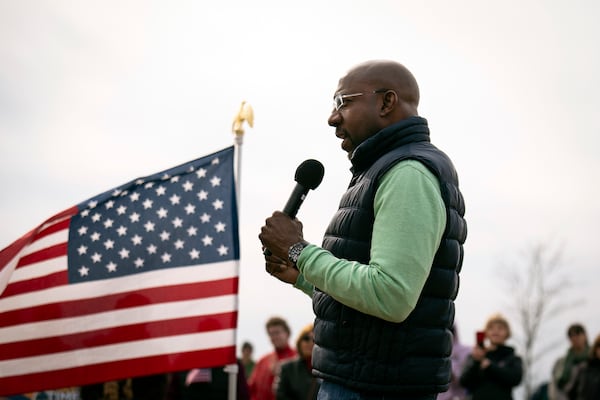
295	251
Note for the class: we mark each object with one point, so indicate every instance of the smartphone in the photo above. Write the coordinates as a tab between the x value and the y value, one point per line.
480	338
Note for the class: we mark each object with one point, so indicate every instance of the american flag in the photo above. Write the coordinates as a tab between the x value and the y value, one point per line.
141	279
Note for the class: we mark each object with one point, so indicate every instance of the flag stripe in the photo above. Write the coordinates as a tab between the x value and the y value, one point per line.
64	377
152	312
50	252
75	308
100	337
119	351
124	284
31	285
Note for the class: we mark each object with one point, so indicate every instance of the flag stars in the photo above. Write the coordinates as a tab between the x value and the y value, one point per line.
194	254
135	217
147	204
82	250
96	258
108	223
175	179
218	204
138	262
109	244
215	181
83	271
92	204
95	236
190	209
111	267
124	253
96	217
82	230
122	231
109	204
223	250
207	240
85	213
174	199
220	227
149	226
135	196
164	236
201	173
151	249
177	222
162	213
121	210
166	257
136	240
161	190
179	244
205	218
215	161
187	186
149	185
192	231
202	195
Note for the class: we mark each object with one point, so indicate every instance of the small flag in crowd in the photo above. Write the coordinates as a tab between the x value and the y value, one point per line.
142	279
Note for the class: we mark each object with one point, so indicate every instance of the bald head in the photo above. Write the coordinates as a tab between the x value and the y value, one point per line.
389	75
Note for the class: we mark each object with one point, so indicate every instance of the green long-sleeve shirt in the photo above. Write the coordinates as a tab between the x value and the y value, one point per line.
410	217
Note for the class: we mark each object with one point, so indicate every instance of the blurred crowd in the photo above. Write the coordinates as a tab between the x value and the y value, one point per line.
489	370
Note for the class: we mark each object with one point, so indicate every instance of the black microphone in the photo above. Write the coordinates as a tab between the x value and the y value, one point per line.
309	175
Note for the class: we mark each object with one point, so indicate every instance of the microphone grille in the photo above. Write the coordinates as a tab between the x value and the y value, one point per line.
310	174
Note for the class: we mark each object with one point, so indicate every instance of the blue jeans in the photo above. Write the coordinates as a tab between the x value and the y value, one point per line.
333	391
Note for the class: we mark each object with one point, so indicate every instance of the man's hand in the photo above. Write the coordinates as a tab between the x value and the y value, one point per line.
283	270
279	233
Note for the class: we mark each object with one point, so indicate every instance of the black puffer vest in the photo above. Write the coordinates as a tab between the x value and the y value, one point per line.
366	353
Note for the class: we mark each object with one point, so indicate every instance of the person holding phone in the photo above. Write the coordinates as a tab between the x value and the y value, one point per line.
492	369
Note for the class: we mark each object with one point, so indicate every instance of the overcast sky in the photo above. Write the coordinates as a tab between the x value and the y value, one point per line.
94	94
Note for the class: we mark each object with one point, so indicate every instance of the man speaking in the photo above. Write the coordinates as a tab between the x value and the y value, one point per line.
384	280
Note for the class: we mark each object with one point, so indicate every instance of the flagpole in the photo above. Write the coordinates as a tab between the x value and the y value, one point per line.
245	114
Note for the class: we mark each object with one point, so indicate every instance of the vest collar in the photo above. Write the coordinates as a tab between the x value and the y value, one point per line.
409	130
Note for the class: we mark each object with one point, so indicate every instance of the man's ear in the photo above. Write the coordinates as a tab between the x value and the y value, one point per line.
390	101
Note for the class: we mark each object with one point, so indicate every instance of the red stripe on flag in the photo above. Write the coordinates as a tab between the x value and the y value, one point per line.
76	308
171	327
31	285
88	374
56	227
57	250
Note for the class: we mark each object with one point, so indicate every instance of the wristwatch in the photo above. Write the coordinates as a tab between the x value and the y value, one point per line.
295	250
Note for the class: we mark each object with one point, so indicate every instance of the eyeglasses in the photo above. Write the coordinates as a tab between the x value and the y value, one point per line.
338	99
307	338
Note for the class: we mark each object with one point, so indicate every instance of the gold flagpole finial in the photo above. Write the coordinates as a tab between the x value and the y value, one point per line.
244	114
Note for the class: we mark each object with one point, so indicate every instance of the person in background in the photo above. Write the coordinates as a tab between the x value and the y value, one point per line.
460	352
384	280
563	367
267	368
296	381
491	372
246	359
586	382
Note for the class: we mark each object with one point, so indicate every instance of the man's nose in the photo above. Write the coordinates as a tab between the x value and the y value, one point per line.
335	118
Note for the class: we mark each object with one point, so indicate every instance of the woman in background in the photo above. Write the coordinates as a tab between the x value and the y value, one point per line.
295	380
491	372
